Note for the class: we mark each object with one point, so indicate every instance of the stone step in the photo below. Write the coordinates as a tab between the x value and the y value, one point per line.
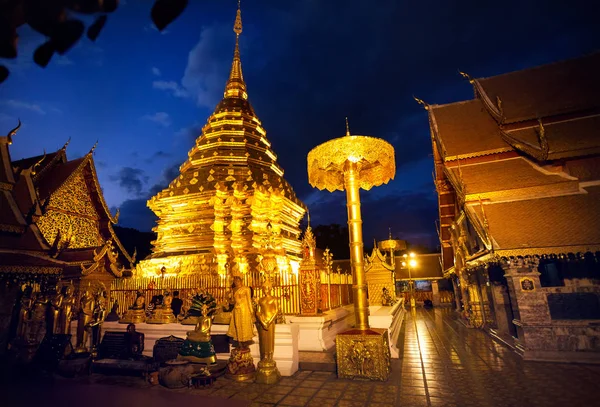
317	361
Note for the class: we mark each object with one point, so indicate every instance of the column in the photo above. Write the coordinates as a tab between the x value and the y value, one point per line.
435	293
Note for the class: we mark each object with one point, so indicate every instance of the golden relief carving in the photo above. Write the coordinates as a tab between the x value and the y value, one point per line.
363	354
83	232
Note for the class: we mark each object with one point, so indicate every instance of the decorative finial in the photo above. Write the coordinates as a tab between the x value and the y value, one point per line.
347	127
237	26
37	164
308	214
13	132
390	233
421	102
66	144
466	76
94	147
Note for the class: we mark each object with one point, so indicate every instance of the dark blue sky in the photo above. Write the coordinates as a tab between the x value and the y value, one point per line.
144	95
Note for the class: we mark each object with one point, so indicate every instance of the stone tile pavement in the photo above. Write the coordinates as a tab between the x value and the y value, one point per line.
442	363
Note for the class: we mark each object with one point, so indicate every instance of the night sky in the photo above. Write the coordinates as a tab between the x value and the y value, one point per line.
144	95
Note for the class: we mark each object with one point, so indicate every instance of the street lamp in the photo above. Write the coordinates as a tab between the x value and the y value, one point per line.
410	262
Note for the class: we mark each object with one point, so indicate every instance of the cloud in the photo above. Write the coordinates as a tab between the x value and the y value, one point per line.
172	87
161	118
190	133
131	180
157	156
135	213
18	104
155	71
208	65
62	60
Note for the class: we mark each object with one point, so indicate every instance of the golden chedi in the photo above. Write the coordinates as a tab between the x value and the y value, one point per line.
215	213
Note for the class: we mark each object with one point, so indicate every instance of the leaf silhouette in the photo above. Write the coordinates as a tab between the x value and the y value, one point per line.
43	54
110	5
165	11
8	42
3	73
94	29
66	35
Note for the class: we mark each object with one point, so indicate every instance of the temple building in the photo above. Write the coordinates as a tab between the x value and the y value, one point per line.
55	228
230	201
517	171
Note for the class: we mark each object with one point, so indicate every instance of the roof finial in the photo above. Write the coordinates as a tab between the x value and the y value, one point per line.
235	85
66	144
14	131
347	127
93	148
390	229
308	213
237	26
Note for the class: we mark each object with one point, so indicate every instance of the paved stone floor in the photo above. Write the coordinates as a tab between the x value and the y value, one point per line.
442	363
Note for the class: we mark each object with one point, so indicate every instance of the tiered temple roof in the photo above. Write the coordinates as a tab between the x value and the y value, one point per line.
54	220
518	167
228	190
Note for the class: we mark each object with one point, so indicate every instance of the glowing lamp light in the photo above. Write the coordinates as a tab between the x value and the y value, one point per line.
295	266
412	263
353	158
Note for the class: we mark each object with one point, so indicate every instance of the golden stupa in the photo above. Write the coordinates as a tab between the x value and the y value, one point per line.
230	200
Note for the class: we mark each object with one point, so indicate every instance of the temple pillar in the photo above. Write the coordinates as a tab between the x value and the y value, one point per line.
456	295
435	289
530	306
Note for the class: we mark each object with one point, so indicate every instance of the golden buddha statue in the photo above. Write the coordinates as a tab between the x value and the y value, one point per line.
86	313
54	305
25	312
66	311
163	313
240	366
266	314
37	323
242	320
98	316
137	312
198	346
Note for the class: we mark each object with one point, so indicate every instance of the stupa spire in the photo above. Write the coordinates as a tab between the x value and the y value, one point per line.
236	87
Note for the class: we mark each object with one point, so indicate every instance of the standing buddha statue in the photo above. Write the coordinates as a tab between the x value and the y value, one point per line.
66	310
240	366
98	316
86	313
266	313
26	304
54	305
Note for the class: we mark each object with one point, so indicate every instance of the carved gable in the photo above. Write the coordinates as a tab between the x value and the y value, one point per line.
71	211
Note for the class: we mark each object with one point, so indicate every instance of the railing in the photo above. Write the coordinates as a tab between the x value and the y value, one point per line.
336	290
124	291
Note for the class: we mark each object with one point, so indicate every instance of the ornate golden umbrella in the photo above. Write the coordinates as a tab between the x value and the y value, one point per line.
350	163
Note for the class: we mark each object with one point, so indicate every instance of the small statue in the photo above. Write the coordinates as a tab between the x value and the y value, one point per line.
198	347
86	313
26	303
242	320
137	312
266	314
113	315
66	311
54	304
162	312
386	298
97	319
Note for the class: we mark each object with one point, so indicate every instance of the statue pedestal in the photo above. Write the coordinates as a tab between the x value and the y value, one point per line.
317	333
240	366
389	318
363	354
